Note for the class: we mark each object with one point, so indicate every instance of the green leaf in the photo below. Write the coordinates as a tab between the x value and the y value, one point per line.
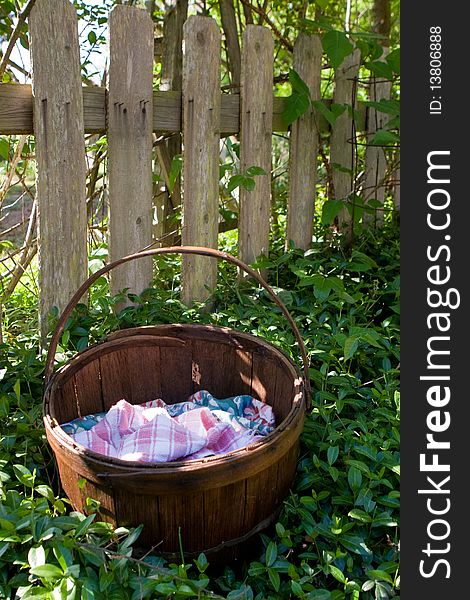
320	594
337	47
298	84
24	475
380	575
337	573
4	149
253	171
256	569
354	478
248	183
330	210
368	585
201	562
47	571
322	3
380	69
393	60
296	588
355	544
83	526
45	491
359	464
351	344
82	344
390	107
271	554
234	182
330	114
131	538
36	557
175	170
360	515
383	137
384	521
166	588
298	102
92	37
274	579
295	106
332	454
244	592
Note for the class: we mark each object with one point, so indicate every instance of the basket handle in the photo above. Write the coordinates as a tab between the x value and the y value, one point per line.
219	255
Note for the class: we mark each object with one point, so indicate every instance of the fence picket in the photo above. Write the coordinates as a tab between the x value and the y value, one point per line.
304	147
60	154
130	112
342	151
201	139
375	159
256	109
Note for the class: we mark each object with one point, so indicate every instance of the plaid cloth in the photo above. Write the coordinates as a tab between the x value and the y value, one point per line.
157	432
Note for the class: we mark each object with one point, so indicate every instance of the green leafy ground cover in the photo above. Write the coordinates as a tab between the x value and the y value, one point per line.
338	534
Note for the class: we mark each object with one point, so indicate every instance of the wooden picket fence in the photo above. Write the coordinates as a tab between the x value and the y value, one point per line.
59	111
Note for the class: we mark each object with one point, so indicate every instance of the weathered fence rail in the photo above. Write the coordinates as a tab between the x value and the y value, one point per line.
59	111
16	111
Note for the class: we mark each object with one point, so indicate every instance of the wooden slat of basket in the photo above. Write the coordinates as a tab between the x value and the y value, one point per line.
66	409
116	383
264	379
287	464
185	511
78	494
140	509
220	368
144	370
283	393
222	508
260	497
89	378
176	382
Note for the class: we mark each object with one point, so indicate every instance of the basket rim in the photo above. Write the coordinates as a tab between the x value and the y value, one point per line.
53	427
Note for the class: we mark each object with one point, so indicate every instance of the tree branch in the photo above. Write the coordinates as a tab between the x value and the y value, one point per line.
284	41
14	36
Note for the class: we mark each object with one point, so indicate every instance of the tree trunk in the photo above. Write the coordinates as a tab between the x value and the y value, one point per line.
229	25
382	20
171	79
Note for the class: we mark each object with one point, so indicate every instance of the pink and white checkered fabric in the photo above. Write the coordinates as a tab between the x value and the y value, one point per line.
147	433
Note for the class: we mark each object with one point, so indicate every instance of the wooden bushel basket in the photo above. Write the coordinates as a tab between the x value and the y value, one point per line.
211	504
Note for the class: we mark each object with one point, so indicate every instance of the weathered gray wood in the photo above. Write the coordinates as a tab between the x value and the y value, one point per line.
304	147
256	109
16	111
201	138
342	150
396	189
375	172
60	154
130	113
